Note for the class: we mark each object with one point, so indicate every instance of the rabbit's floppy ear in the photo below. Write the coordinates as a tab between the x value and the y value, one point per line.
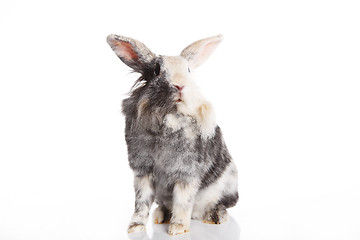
197	52
132	52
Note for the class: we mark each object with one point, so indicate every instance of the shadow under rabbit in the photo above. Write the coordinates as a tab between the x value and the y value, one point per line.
229	230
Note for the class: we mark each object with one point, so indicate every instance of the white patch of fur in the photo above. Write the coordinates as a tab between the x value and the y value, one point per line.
183	200
177	122
171	121
144	183
207	198
158	215
177	229
141	216
136	228
193	103
207	120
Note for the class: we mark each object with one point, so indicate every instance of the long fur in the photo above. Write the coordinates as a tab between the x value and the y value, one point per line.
175	148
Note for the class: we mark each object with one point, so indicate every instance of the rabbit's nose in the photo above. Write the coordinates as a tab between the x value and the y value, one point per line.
179	87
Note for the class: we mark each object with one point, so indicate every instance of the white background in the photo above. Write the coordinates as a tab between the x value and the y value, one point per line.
285	83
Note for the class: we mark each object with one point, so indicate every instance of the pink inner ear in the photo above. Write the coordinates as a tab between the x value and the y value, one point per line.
207	50
125	50
204	53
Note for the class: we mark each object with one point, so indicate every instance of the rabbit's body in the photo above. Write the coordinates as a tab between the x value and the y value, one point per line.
173	155
175	148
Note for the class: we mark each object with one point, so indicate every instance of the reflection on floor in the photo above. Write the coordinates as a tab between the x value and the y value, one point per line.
198	231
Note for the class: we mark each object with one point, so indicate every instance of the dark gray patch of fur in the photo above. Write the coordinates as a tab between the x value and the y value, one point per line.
229	200
157	91
216	150
167	214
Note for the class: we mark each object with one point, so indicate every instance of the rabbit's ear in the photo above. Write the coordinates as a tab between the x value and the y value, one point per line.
197	52
132	52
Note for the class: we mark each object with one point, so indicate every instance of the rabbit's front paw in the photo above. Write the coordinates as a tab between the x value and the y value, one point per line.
136	227
161	215
177	228
158	216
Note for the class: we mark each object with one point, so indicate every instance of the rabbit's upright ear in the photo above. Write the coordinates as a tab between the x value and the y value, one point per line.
197	52
132	52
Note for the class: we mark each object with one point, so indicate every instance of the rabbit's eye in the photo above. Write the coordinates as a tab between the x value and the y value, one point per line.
189	69
157	69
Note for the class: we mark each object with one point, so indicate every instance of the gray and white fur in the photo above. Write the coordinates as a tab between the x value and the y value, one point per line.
175	148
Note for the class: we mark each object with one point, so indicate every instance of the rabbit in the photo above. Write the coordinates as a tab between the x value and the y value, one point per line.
175	148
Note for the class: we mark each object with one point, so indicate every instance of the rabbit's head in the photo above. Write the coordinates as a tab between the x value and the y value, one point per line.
166	84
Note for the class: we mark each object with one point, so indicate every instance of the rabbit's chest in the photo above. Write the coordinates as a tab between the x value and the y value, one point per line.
176	152
182	126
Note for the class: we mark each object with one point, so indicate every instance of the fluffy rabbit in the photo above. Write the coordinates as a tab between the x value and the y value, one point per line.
175	147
